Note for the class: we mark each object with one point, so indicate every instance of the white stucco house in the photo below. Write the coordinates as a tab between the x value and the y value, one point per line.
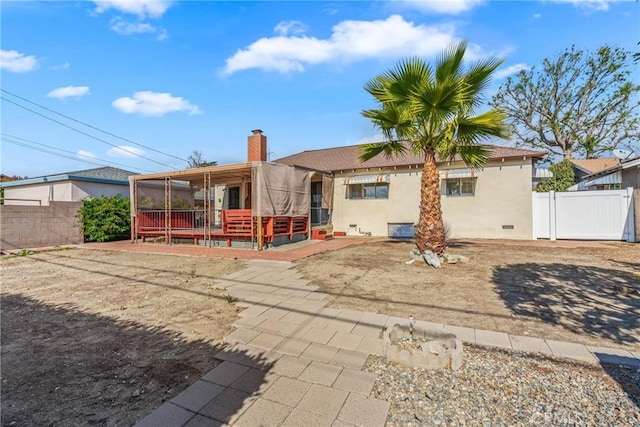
381	197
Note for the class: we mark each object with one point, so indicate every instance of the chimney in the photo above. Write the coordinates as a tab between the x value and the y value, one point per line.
257	147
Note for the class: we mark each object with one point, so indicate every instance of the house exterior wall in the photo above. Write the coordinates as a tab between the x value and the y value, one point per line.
23	227
83	189
502	198
631	177
39	194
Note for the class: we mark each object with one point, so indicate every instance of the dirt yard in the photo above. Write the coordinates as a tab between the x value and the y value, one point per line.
589	296
103	338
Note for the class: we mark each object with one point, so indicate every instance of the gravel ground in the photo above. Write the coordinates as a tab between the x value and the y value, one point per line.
507	388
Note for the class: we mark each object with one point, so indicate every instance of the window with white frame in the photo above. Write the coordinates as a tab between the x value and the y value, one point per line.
459	186
368	191
367	186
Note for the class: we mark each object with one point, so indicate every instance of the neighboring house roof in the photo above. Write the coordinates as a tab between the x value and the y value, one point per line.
590	166
610	175
344	158
106	175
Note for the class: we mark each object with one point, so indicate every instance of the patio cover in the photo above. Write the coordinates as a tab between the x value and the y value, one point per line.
280	190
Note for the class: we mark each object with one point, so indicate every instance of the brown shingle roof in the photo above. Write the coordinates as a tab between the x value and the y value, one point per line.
595	165
343	158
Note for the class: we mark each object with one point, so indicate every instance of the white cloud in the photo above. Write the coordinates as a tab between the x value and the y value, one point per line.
284	28
451	7
140	8
371	139
147	103
69	92
597	5
125	151
16	62
85	154
512	69
350	41
64	66
125	28
162	35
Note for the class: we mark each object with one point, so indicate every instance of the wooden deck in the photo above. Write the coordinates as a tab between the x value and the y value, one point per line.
236	224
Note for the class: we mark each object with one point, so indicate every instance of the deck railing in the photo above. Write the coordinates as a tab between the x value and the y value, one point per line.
236	224
150	220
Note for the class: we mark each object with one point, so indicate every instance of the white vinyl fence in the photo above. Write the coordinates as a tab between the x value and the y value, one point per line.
584	215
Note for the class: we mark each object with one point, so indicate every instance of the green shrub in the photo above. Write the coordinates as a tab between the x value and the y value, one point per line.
563	178
105	218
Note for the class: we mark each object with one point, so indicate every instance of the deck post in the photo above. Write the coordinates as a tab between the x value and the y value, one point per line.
260	236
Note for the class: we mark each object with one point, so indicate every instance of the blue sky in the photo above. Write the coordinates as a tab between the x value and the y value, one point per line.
200	75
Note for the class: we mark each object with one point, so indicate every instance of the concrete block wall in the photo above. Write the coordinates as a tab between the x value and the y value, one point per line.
23	227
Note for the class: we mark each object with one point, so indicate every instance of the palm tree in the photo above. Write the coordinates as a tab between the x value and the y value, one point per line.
430	111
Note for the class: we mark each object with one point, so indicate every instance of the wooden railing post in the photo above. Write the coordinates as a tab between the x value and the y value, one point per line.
260	236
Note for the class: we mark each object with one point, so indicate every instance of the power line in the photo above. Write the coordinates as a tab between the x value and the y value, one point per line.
93	127
50	152
87	134
6	136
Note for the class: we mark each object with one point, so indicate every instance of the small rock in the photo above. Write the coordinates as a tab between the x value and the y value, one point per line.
136	393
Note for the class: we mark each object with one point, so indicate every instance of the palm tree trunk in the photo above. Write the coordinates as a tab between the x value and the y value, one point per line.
429	232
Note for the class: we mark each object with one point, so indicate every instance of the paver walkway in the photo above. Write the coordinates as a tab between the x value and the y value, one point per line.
294	362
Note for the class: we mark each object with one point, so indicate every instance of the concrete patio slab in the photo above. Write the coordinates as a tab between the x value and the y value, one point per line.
202	421
287	391
345	341
266	341
254	310
168	415
225	373
271	326
323	400
320	373
298	418
264	413
248	322
320	336
197	395
530	344
275	313
492	339
349	359
292	346
228	406
319	352
571	351
355	381
255	381
241	335
371	345
467	335
289	366
297	318
362	411
367	330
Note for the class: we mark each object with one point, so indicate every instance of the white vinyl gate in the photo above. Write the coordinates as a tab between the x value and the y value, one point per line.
584	215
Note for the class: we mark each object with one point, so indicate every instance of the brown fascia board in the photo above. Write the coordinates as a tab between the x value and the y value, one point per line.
394	164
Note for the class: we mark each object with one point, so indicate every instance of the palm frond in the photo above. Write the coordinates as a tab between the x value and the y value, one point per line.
449	62
388	148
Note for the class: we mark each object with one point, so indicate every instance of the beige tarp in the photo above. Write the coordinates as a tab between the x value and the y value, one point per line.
327	192
280	190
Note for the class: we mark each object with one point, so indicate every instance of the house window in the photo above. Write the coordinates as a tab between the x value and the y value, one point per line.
368	191
459	186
